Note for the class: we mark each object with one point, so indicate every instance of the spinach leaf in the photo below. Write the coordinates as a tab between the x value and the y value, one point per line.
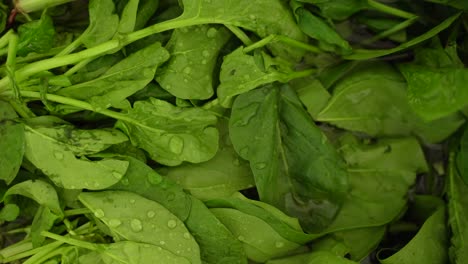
261	242
133	252
36	36
134	218
221	176
280	222
318	29
241	73
294	166
217	243
436	83
457	207
194	50
358	100
103	23
171	134
121	80
11	143
429	244
264	17
59	163
143	180
380	174
128	17
312	94
338	9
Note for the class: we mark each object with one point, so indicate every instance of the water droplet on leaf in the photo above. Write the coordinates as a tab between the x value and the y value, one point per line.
211	33
117	175
136	225
176	144
99	213
58	155
260	165
171	224
154	178
150	214
114	222
279	244
205	53
187	235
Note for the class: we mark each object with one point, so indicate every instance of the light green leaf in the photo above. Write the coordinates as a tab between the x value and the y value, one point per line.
60	164
264	17
261	242
242	72
194	50
121	80
103	23
373	100
171	134
132	217
221	176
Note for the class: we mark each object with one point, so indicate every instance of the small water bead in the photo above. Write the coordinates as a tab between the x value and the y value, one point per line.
150	214
187	235
99	213
279	244
171	224
205	53
132	201
58	155
162	242
211	33
260	165
176	144
136	225
115	223
117	175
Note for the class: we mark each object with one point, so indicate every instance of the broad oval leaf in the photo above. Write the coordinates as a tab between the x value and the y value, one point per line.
11	144
295	167
194	50
261	242
132	217
60	164
171	134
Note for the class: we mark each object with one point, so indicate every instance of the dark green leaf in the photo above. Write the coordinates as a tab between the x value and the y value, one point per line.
36	36
318	29
458	207
295	167
373	100
428	246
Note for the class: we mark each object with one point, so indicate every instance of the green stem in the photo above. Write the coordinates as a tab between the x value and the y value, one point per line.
71	47
71	241
28	6
285	40
79	211
78	66
38	253
5	39
16	249
392	30
390	10
240	34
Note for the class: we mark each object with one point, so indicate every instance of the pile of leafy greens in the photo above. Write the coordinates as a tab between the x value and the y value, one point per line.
224	132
